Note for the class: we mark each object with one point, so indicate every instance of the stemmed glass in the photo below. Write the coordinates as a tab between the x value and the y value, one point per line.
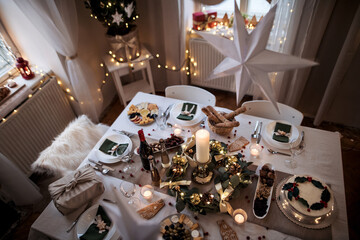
160	120
295	150
129	167
128	189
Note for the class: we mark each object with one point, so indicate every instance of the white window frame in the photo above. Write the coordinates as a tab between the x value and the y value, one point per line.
10	71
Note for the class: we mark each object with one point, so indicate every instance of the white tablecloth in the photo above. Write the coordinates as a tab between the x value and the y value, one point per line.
321	159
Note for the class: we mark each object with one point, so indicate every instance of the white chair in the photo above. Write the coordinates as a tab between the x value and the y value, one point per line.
190	93
70	148
265	109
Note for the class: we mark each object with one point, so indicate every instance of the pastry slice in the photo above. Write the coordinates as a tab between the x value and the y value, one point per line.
238	144
151	210
226	232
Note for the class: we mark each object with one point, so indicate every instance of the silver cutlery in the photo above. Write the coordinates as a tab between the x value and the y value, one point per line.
254	135
108	200
276	152
259	133
101	164
103	171
128	134
77	219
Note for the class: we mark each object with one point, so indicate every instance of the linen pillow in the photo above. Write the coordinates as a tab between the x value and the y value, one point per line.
70	148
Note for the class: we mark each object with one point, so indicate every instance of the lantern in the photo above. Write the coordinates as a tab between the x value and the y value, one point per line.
23	66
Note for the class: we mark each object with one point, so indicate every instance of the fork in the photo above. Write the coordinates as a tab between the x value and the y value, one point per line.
276	152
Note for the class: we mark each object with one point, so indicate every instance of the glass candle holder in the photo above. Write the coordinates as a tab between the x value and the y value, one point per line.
255	150
147	192
239	216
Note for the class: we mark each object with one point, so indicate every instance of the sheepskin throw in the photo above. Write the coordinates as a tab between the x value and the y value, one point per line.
70	148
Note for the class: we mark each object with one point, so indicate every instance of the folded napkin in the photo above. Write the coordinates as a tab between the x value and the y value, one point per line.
92	233
282	132
188	111
112	148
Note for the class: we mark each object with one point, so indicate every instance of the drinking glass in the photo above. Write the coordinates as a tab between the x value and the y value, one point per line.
129	167
160	120
291	162
128	189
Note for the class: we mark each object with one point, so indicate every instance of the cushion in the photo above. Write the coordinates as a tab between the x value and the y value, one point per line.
70	148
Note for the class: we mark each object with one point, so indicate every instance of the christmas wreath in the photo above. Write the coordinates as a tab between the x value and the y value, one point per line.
293	191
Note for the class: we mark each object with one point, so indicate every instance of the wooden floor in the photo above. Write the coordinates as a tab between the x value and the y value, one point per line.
350	145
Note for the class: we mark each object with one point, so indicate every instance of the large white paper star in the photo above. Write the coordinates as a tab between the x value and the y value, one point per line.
117	18
247	58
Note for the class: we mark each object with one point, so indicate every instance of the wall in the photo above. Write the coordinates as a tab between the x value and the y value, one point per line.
344	110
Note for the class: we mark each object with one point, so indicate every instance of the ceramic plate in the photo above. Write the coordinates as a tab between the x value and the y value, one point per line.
176	110
268	132
118	138
87	218
143	113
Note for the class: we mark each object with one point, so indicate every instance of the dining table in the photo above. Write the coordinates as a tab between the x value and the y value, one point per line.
321	158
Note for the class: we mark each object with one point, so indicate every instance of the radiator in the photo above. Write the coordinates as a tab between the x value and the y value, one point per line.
207	58
31	129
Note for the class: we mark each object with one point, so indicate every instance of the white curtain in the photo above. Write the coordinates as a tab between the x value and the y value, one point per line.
15	185
57	21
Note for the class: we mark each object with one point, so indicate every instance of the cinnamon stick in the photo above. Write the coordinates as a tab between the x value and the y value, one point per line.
210	115
228	124
217	114
235	113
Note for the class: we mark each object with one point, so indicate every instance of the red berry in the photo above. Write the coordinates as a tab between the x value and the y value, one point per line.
242	151
206	233
140	185
122	177
131	175
294	184
196	218
170	204
291	189
153	130
228	137
132	161
188	130
267	228
308	209
325	187
149	134
309	179
229	141
248	201
147	171
247	237
157	161
296	198
120	171
203	126
264	237
234	134
235	130
142	169
259	238
262	146
246	197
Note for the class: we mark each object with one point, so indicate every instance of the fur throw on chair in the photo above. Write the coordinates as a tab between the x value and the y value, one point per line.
70	148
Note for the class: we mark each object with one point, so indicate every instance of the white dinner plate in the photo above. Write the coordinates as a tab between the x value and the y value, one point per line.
87	218
176	110
118	138
269	131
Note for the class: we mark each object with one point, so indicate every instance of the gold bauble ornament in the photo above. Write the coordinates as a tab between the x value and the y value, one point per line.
195	198
232	159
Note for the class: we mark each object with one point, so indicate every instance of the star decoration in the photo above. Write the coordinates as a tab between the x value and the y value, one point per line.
117	18
246	56
129	9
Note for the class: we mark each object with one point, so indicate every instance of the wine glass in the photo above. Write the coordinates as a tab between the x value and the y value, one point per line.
291	162
128	189
129	167
160	120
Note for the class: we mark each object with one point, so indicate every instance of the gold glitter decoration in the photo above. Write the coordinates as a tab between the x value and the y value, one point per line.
180	160
195	198
232	159
216	145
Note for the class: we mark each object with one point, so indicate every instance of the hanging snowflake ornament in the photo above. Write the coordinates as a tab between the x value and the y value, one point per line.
117	18
129	9
246	56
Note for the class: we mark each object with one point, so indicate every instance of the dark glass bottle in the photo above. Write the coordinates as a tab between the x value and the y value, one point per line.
144	150
165	161
155	176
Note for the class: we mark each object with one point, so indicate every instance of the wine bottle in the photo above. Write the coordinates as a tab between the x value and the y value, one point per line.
155	176
165	161
144	150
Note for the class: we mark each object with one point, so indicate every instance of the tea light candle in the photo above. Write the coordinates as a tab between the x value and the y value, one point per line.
255	150
177	131
202	137
147	192
239	216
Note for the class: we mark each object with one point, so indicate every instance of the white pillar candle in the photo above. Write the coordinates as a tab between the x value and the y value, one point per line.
202	145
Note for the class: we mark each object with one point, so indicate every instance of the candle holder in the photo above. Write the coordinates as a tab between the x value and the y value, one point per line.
239	216
255	150
202	174
147	192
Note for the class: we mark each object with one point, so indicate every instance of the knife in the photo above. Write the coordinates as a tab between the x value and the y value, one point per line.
101	164
77	219
259	133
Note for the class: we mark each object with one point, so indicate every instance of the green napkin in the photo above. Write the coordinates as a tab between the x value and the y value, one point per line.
108	145
282	132
92	233
189	107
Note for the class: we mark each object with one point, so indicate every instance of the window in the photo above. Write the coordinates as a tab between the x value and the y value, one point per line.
7	55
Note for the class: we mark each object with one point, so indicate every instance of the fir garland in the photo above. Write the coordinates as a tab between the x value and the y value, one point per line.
293	191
